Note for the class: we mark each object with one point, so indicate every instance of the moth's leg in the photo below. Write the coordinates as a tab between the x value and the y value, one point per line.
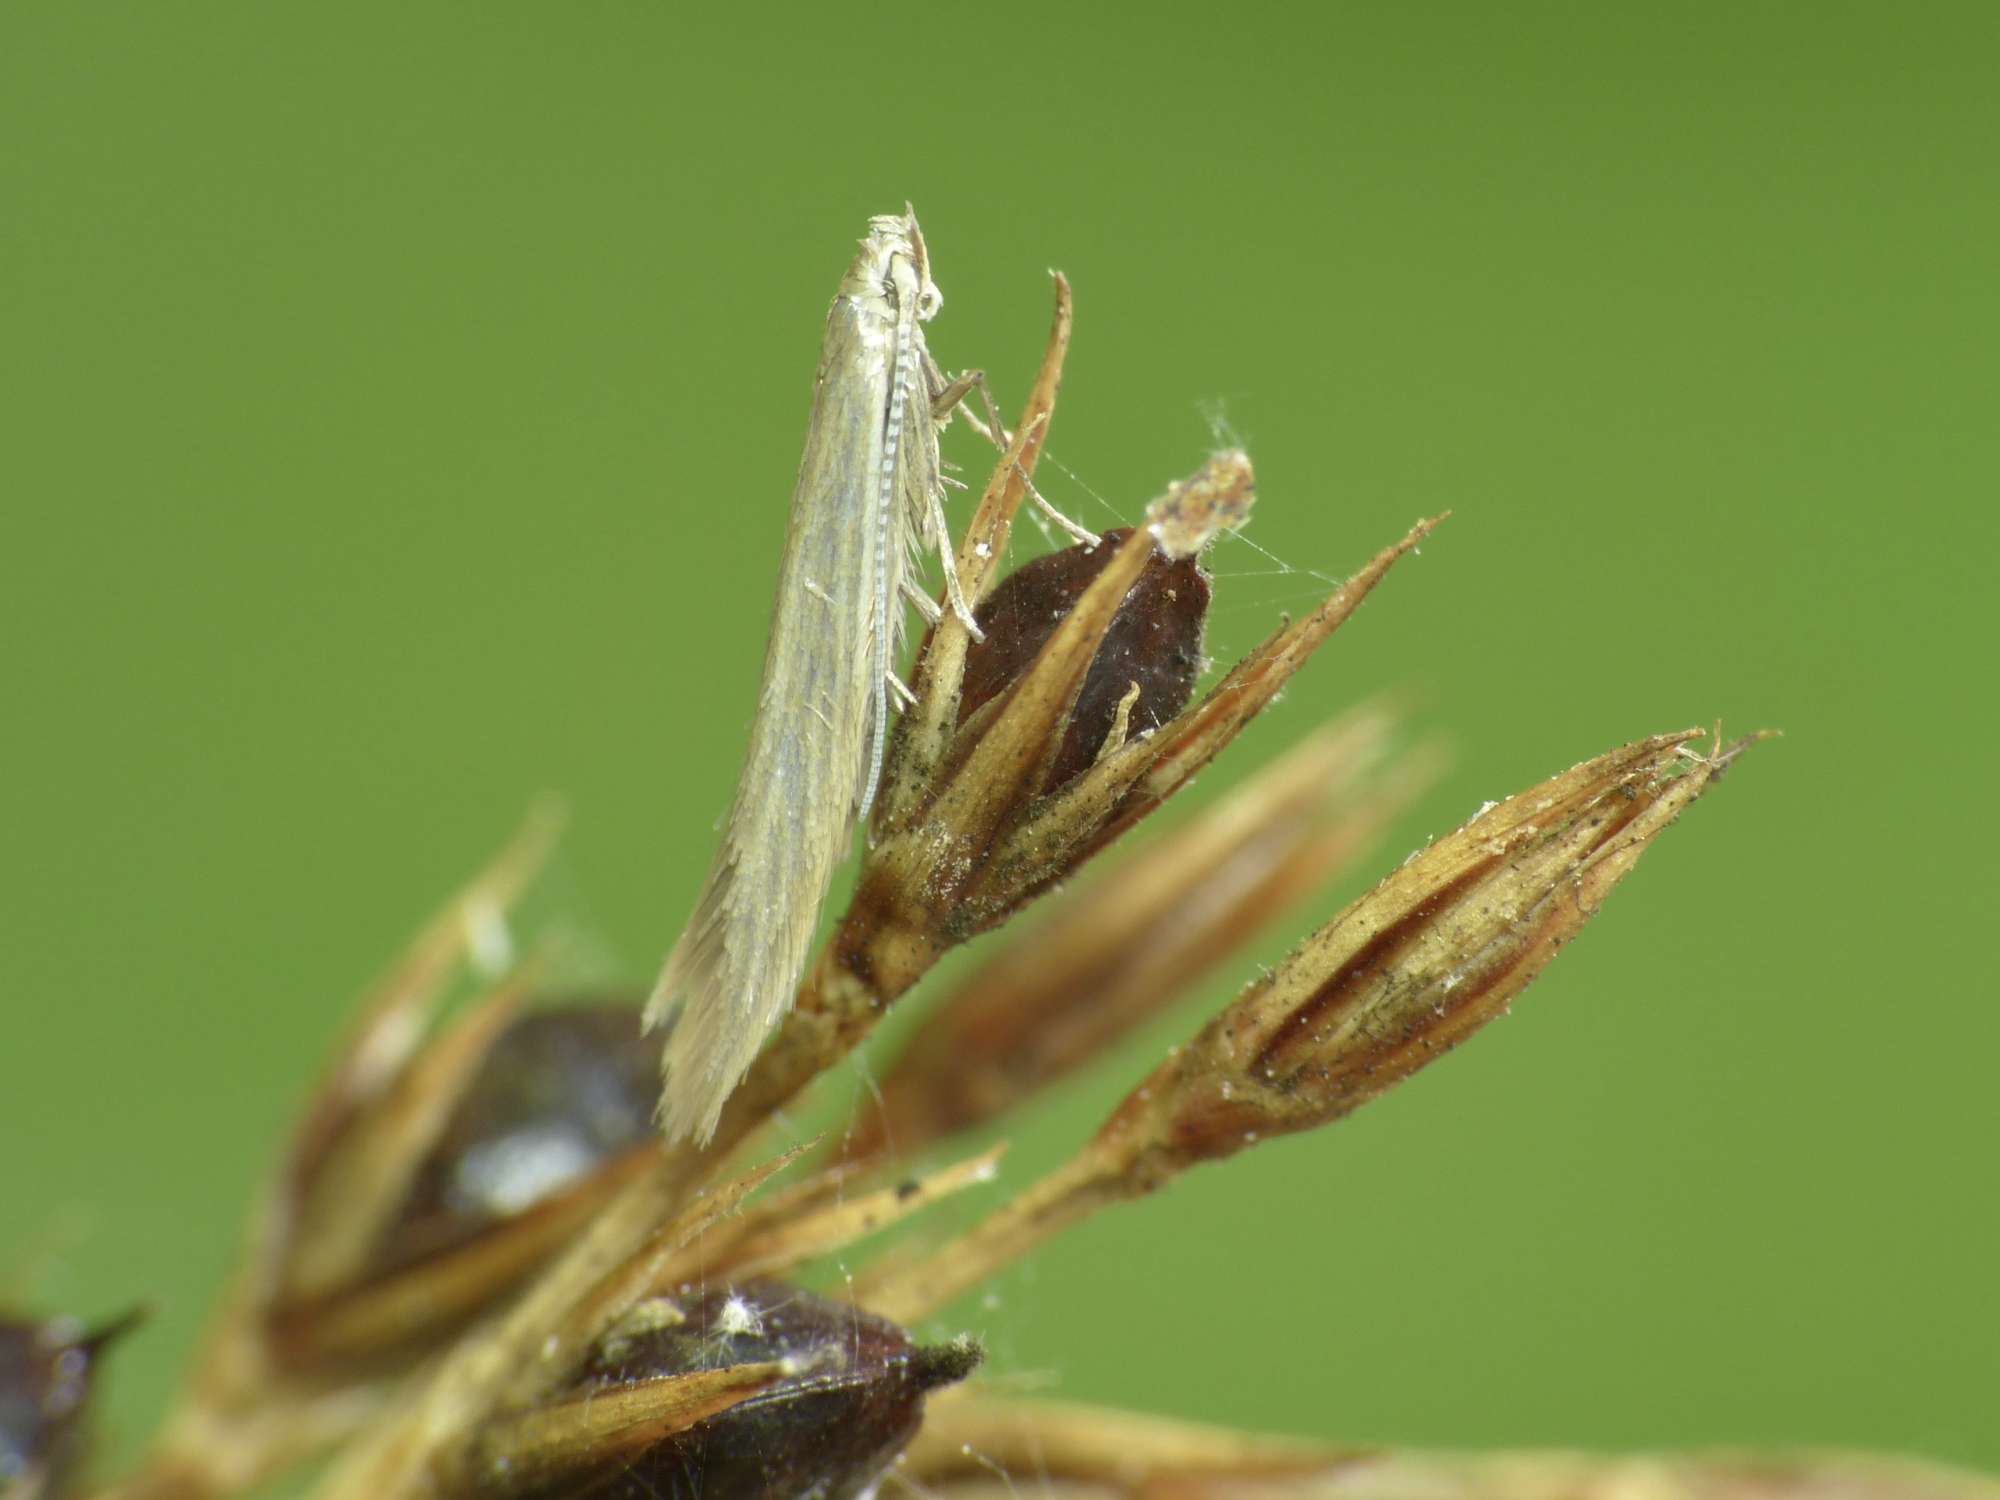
926	605
954	591
1077	532
947	396
901	689
951	397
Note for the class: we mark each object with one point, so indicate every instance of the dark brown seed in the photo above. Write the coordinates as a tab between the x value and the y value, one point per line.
1154	641
561	1091
827	1432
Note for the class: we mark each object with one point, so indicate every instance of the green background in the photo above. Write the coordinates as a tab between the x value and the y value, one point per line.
397	410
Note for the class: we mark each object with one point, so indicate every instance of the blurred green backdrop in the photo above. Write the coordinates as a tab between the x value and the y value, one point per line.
397	411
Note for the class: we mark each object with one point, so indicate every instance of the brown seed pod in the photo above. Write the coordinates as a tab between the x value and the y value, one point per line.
849	1401
1153	645
539	1127
561	1092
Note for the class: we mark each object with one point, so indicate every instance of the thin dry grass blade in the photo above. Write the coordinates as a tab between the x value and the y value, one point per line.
782	1245
1182	748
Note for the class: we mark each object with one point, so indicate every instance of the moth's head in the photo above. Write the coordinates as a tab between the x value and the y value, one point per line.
929	298
897	263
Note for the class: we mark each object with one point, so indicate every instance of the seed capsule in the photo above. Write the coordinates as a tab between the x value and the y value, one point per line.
849	1402
475	1173
561	1092
1153	644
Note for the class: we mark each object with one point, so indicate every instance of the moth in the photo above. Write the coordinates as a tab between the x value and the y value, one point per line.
869	494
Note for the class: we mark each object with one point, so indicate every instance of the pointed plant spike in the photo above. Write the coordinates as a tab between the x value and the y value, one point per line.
1193	740
985	543
1433	953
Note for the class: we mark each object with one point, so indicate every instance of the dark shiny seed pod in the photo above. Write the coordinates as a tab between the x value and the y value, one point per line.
1154	641
826	1433
46	1372
561	1092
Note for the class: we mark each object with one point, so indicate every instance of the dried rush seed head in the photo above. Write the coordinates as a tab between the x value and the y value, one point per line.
1434	952
1002	812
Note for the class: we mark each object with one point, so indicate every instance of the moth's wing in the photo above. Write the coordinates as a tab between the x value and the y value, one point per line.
919	483
736	966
